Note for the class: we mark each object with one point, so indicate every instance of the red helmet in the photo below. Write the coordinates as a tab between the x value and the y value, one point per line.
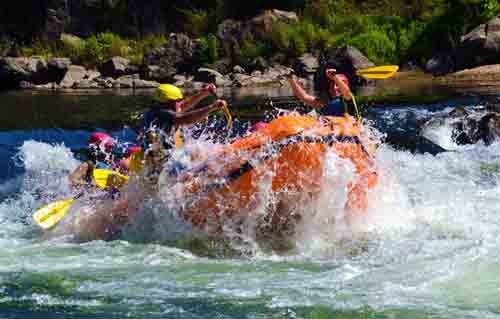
258	126
99	138
132	150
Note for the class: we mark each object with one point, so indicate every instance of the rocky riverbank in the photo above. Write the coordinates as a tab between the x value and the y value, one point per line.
183	61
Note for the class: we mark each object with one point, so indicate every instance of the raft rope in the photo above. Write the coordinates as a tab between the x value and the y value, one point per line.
278	147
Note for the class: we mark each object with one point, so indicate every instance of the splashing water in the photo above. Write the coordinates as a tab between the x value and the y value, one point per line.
428	247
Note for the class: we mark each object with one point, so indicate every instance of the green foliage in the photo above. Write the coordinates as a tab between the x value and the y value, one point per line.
95	49
213	47
6	45
208	50
387	31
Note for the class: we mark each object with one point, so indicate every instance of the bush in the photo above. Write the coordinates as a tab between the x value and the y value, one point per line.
376	46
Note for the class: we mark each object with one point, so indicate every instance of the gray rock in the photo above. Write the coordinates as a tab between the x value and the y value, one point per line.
91	75
127	81
263	24
222	66
180	80
440	64
86	84
15	70
481	46
48	86
74	74
239	70
346	60
174	57
229	30
144	84
306	64
223	82
26	85
115	67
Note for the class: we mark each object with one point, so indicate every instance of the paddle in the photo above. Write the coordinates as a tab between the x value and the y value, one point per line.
48	216
105	178
378	72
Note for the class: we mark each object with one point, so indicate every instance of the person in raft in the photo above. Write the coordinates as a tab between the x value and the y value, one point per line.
100	146
335	99
172	111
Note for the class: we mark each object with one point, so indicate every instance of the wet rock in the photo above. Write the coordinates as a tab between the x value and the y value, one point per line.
409	141
74	74
116	67
174	57
489	128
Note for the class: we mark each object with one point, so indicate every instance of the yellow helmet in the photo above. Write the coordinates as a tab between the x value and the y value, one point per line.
168	92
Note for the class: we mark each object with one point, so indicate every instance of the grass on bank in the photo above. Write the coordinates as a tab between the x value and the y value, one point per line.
95	49
386	31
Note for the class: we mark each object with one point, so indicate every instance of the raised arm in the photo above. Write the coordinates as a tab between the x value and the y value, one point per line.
192	117
343	87
190	102
77	177
302	95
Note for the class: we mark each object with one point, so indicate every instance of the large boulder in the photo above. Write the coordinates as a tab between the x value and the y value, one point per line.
256	28
117	66
346	60
78	74
174	57
481	46
15	70
57	68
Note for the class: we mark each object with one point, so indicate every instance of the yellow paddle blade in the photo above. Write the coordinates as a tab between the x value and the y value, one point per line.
229	117
136	162
178	139
47	216
105	178
378	72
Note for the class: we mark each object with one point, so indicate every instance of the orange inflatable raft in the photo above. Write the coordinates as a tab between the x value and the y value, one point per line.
284	159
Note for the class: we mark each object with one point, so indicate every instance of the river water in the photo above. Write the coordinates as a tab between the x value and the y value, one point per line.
430	247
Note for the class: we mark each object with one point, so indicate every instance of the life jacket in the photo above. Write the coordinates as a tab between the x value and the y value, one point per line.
337	107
